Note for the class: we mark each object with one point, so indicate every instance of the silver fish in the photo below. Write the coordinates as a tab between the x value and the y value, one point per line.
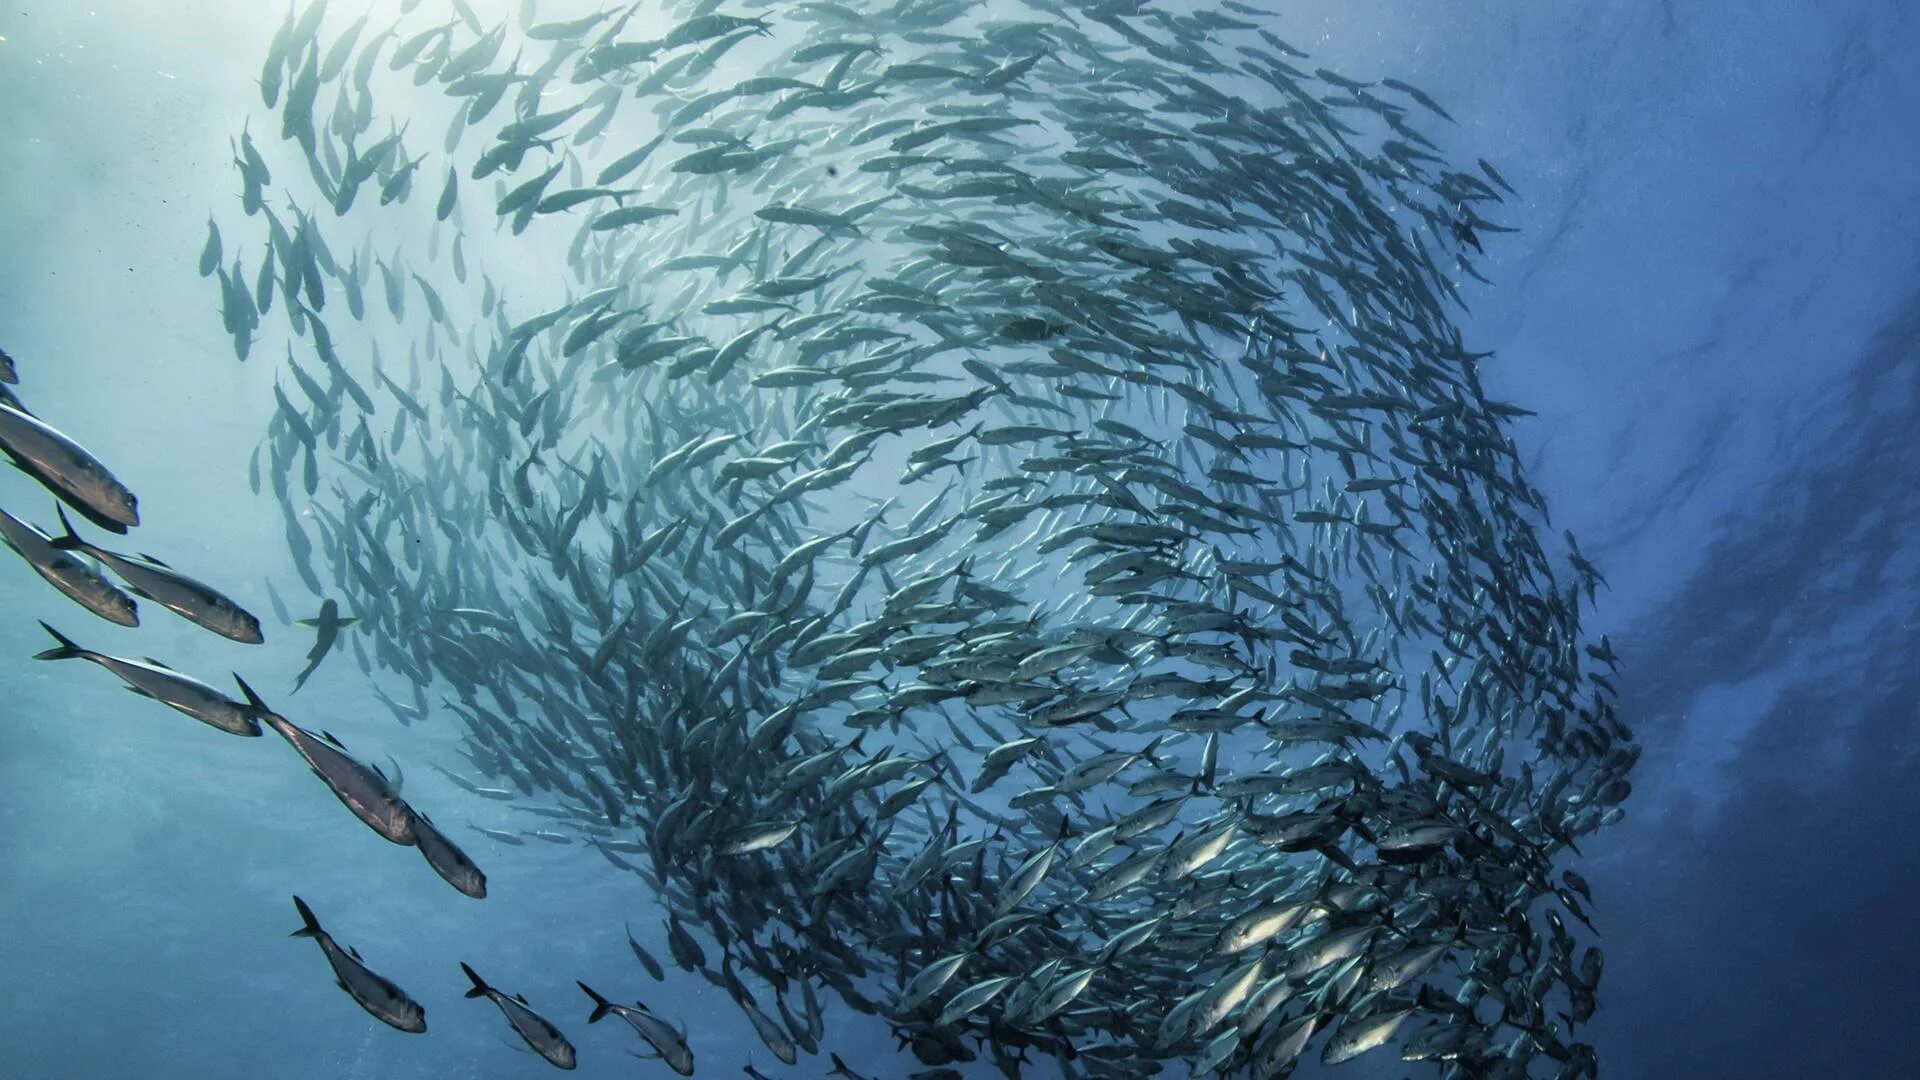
149	678
363	790
542	1036
383	1000
78	581
151	579
669	1043
447	859
68	470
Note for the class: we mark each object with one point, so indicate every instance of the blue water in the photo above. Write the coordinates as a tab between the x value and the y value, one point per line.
1713	306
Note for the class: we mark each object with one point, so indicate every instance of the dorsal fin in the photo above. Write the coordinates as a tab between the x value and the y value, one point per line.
155	561
328	735
355	953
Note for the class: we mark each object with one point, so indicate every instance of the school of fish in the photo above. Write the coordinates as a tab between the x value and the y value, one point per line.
983	506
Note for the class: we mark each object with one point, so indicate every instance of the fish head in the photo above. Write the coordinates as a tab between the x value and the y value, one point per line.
126	508
449	861
109	497
410	1017
469	880
118	608
236	623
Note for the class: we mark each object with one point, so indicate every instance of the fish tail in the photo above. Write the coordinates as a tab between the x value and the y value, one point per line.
312	925
1147	751
253	699
601	1007
69	540
480	986
66	651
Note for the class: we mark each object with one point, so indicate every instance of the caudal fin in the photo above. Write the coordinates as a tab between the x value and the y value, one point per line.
1147	750
66	651
311	927
480	986
601	1006
253	699
68	540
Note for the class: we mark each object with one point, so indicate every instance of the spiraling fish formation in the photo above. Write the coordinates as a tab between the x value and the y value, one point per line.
986	509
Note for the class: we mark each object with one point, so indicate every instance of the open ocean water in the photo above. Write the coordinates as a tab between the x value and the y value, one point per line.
1711	308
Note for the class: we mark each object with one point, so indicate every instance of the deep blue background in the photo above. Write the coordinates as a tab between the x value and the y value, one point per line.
1714	306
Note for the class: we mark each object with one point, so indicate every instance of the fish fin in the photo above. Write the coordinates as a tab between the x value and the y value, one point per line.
355	953
253	699
521	998
161	664
480	986
329	736
1147	751
312	925
69	541
155	561
66	651
600	1005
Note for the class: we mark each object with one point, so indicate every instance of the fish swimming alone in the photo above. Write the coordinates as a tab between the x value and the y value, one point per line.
150	678
326	626
373	992
540	1035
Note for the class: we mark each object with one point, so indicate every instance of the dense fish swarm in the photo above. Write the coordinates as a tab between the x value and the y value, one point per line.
982	506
